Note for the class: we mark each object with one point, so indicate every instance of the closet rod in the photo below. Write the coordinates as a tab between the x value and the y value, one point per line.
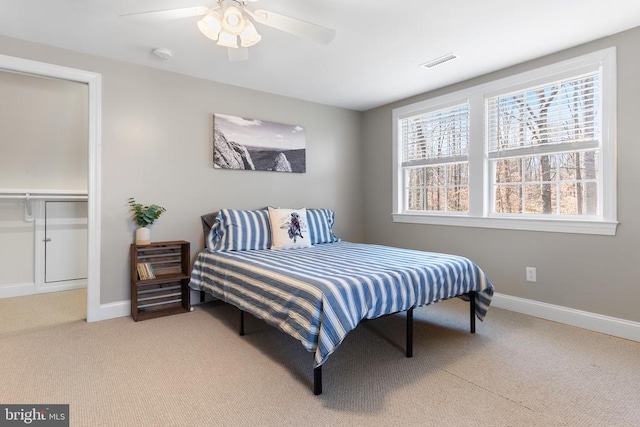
14	193
28	196
43	196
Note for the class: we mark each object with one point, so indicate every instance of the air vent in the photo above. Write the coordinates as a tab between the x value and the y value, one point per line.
441	60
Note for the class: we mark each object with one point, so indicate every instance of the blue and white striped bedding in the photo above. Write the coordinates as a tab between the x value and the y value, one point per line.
319	294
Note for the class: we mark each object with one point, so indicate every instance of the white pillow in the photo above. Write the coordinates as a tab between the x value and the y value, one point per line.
289	228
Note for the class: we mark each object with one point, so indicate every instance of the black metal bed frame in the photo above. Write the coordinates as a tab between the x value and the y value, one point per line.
317	371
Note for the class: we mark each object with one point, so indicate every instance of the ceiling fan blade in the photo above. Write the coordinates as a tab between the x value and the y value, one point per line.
167	14
237	54
294	26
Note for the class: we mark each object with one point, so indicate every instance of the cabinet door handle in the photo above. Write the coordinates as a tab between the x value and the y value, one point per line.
47	240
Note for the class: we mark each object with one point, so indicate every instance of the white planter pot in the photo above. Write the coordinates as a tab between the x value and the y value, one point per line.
143	236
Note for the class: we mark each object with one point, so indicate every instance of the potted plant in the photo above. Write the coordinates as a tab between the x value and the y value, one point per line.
144	217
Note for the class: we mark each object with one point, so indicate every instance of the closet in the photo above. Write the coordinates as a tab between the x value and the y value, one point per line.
43	184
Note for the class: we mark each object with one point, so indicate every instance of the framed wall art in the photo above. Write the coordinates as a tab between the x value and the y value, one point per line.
249	144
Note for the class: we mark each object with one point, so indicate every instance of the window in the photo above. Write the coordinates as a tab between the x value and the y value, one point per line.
543	144
535	151
435	160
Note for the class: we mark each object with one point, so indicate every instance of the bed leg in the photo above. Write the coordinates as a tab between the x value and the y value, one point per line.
317	380
472	311
241	328
410	333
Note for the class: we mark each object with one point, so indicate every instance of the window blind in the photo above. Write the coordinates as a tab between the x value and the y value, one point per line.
552	117
440	136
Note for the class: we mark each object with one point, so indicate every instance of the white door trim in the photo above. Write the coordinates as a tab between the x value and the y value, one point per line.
94	81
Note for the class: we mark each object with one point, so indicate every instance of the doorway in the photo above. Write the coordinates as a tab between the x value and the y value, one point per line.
93	80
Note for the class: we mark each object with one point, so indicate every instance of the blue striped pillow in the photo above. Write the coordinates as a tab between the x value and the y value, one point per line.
240	230
320	222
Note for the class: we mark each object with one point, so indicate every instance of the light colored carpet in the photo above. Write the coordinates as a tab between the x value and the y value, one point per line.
193	369
21	314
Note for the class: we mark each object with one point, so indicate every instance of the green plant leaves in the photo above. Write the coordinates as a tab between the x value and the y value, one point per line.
143	215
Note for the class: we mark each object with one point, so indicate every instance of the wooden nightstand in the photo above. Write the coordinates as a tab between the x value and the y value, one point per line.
168	293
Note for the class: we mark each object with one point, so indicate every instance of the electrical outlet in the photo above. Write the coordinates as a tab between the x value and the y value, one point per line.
531	274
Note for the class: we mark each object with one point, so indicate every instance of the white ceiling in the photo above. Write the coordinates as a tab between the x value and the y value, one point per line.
373	60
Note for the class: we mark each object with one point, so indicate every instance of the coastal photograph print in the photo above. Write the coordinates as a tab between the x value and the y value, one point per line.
250	144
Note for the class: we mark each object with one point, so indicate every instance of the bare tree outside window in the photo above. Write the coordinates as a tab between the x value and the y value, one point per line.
435	160
544	146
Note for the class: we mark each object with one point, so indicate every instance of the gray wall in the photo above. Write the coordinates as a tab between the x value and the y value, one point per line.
592	273
157	132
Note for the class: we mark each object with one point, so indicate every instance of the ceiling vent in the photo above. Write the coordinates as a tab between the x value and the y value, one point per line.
441	60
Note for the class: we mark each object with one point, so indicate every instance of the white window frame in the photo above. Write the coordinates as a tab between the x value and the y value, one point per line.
480	188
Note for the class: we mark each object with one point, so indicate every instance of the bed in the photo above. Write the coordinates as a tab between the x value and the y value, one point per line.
321	289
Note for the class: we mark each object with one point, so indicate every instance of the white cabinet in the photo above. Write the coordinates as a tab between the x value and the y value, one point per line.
65	241
43	246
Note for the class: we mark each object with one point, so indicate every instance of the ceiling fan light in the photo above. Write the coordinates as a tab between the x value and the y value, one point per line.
208	31
233	21
213	19
228	40
249	36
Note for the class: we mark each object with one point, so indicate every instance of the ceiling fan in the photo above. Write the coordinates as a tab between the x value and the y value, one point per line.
230	24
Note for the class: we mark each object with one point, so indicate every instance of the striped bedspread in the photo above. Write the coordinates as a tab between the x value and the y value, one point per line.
319	294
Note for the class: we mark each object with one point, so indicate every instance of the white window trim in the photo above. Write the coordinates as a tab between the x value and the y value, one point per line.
479	186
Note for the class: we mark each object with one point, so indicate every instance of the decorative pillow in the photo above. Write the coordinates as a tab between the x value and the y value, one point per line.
289	228
240	230
321	226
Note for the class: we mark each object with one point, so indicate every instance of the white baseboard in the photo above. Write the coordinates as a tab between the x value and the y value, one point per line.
569	316
17	290
24	289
